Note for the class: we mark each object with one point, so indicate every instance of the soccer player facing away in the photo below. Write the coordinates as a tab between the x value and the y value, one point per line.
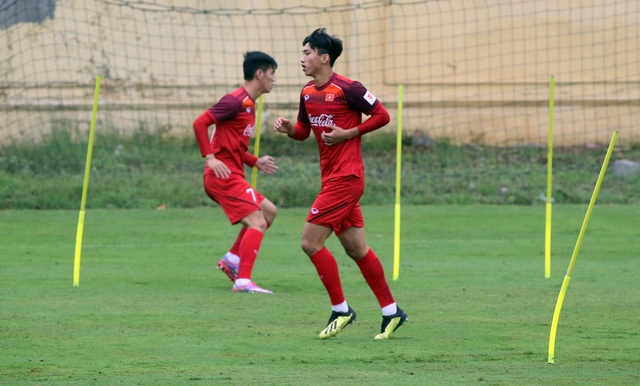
331	106
224	180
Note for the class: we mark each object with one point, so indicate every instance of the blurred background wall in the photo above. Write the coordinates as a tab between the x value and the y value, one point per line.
474	71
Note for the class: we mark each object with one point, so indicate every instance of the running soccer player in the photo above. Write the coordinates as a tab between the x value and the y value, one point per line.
224	180
331	106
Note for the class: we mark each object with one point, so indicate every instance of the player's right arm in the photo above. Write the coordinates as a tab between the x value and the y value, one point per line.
201	130
284	125
300	130
220	169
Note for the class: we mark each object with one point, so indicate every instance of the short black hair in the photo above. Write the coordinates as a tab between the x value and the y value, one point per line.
257	60
324	43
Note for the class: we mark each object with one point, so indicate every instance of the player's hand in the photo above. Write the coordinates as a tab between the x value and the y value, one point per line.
283	125
336	135
266	164
219	168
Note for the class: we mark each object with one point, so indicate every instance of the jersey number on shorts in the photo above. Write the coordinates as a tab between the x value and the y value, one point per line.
253	194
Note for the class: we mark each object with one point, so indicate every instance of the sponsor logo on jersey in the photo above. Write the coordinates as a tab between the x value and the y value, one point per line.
369	97
306	97
249	110
315	211
329	97
248	131
321	120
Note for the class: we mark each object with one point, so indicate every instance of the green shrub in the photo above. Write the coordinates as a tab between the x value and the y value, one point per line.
146	169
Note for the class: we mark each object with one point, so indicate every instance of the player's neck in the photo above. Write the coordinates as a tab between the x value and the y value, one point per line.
253	89
323	77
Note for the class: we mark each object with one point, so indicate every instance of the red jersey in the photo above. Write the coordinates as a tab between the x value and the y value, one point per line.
234	117
340	102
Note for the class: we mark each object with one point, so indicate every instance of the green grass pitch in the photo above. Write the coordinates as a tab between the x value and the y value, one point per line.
152	309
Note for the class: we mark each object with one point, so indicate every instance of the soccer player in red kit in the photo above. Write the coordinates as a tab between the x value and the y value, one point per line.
331	106
226	152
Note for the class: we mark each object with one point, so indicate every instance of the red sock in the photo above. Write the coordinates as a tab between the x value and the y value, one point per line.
235	248
249	248
373	273
327	269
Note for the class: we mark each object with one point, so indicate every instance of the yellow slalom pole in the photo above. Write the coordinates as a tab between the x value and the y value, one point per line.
396	232
85	186
256	146
567	278
547	233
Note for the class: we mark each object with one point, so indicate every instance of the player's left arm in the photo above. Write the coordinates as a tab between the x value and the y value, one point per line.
359	99
363	100
266	163
249	159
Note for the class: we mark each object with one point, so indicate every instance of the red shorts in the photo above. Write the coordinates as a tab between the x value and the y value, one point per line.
234	194
337	206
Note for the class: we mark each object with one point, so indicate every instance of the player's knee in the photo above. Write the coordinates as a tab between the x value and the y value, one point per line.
356	253
269	208
272	215
256	222
269	211
262	225
310	248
